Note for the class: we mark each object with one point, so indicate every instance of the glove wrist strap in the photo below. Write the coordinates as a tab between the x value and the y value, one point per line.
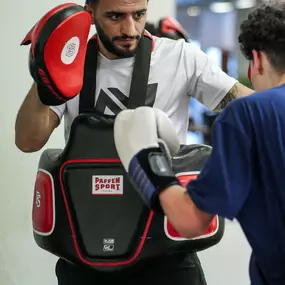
153	176
157	168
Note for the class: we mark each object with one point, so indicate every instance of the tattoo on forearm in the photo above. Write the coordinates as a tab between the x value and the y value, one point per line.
231	95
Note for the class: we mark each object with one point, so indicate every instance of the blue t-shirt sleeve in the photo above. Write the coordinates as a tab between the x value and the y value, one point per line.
224	183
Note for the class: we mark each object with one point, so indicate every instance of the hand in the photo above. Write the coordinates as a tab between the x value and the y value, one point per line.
57	52
145	140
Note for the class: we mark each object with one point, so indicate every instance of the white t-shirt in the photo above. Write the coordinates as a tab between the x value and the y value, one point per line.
178	71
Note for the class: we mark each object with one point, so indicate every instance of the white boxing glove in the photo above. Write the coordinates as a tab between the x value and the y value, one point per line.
145	140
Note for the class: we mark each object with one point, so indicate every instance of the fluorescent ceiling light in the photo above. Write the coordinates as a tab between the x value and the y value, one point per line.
245	4
221	7
193	11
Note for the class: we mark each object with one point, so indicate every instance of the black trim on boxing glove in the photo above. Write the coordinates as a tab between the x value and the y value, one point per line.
157	167
33	68
45	95
151	172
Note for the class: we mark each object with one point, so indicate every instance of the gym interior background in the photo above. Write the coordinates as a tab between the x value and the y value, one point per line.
212	27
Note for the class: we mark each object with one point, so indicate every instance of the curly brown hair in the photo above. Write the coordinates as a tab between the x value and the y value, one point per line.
264	30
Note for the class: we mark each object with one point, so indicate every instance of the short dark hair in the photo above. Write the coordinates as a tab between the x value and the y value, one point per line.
264	30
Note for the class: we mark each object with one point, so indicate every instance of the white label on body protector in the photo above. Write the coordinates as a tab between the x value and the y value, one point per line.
70	50
107	185
108	244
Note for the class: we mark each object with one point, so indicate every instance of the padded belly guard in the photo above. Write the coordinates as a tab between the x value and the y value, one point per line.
86	211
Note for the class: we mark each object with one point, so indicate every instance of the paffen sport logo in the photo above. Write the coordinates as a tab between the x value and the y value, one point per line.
107	185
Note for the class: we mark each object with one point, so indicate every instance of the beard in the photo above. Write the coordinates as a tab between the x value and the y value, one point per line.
109	43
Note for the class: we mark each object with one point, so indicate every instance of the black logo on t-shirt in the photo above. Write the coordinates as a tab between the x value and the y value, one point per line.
105	101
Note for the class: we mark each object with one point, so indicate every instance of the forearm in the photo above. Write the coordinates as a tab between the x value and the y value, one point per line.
33	123
183	214
237	91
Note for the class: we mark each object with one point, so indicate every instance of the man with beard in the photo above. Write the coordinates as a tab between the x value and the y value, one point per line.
178	72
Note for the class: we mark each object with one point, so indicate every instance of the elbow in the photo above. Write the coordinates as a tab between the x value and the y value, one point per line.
28	146
191	229
185	217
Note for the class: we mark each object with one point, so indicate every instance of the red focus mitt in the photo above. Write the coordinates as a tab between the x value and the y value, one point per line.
169	25
57	54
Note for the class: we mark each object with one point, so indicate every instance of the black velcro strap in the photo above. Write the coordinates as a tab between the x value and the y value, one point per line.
87	93
139	82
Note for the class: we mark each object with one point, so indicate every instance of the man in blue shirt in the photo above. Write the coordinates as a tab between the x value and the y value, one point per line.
244	178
